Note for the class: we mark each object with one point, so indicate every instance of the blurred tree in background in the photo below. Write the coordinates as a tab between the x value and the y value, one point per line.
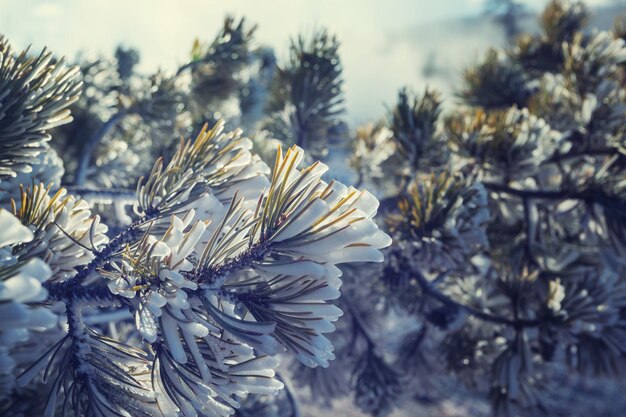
503	292
508	14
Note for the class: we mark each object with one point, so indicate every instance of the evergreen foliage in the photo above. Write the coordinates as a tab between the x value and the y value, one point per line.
156	261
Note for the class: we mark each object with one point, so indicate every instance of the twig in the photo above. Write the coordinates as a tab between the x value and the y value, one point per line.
588	152
60	290
438	295
358	321
92	142
538	194
191	64
295	408
92	192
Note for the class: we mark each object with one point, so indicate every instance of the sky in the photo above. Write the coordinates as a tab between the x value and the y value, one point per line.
377	57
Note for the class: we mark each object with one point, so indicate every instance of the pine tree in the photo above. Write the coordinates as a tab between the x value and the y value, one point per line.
506	273
212	266
158	262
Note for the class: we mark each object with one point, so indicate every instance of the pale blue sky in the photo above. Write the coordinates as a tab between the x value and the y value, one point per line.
98	24
376	59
